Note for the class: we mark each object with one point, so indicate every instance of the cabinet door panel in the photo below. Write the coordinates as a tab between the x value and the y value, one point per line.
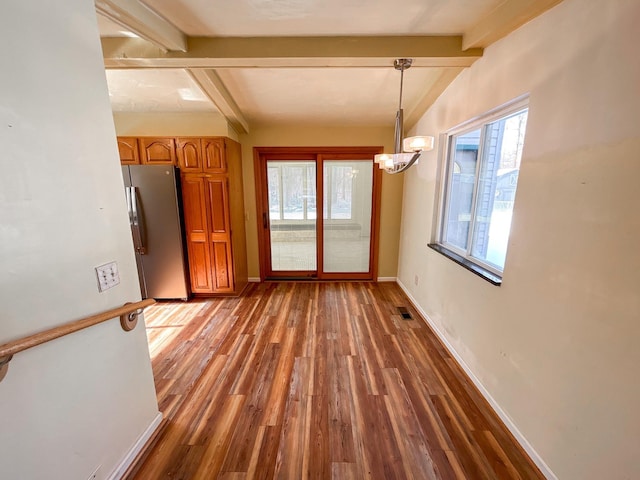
189	154
218	200
213	155
128	150
195	219
158	151
199	269
220	232
222	263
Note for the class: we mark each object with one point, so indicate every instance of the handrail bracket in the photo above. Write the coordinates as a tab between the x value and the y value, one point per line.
4	365
128	321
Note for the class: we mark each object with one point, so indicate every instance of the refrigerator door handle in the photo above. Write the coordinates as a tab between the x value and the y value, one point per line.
127	194
137	223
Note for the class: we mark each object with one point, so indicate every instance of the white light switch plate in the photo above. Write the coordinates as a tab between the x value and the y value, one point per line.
108	276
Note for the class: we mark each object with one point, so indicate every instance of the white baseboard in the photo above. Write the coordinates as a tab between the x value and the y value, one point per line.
254	279
137	447
537	459
386	279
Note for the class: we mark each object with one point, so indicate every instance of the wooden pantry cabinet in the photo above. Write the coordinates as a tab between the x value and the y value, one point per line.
212	202
212	192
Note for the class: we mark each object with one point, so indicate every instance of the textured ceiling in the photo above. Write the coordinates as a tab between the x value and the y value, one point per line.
348	96
322	17
153	90
250	91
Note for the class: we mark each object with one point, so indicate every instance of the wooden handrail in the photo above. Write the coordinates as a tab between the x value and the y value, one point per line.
128	314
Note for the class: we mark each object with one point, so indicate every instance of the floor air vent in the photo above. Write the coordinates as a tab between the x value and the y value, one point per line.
405	313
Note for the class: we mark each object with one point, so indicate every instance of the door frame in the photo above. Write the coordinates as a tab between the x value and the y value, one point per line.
260	157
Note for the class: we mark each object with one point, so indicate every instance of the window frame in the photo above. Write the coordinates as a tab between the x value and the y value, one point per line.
461	256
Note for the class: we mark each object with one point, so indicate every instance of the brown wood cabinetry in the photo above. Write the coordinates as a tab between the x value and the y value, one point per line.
195	220
157	151
197	155
213	155
128	150
213	202
147	151
189	153
218	196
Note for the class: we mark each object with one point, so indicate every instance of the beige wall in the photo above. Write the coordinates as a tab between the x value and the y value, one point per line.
82	401
172	124
555	345
281	136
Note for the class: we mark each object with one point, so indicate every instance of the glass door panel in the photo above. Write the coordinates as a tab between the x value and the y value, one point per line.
292	215
347	204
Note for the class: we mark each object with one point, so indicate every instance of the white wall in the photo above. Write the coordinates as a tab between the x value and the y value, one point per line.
556	344
83	400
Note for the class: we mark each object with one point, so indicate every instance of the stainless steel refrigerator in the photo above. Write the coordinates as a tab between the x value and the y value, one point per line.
153	199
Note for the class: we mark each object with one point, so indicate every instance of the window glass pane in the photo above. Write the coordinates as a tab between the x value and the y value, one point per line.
463	159
293	192
340	189
348	190
292	215
502	151
273	175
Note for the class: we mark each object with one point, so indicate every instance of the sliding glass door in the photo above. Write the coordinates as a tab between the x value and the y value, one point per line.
319	213
346	229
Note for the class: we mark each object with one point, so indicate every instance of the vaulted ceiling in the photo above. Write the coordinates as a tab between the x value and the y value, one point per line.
312	62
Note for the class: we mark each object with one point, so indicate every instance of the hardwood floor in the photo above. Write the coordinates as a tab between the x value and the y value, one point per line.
316	380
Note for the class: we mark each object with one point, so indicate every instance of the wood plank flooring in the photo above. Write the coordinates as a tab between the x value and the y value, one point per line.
316	380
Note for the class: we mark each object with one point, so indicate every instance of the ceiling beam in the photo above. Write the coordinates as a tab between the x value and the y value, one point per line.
144	22
284	52
212	86
504	19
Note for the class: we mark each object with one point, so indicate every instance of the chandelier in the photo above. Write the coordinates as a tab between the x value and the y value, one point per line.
406	151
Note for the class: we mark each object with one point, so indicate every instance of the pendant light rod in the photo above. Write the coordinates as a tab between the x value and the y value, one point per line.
401	64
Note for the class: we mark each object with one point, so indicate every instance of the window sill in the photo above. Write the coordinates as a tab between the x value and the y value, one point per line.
469	265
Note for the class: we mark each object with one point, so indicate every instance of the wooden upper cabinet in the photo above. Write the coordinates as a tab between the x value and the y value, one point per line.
128	150
189	154
157	151
213	155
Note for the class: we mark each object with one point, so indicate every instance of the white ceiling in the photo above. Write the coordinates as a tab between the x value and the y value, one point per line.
346	96
152	90
263	82
251	18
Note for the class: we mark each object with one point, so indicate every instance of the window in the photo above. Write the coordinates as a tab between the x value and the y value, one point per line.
482	166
